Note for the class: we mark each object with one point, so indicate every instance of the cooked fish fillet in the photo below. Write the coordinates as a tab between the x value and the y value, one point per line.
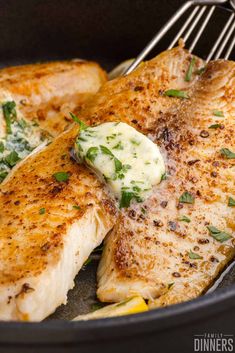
48	92
155	252
48	230
45	240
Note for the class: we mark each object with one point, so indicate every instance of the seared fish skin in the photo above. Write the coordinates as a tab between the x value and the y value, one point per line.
48	92
156	253
48	229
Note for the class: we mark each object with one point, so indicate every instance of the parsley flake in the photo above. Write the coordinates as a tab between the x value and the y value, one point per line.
92	153
231	202
42	210
188	75
61	176
194	256
215	126
218	234
176	93
81	124
218	113
186	197
227	153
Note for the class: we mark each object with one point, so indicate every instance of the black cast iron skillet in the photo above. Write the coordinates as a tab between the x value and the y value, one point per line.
107	31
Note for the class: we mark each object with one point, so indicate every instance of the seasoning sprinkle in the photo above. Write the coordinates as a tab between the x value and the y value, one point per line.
185	219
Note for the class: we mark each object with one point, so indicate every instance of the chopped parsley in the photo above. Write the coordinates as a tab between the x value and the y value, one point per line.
188	75
3	175
76	207
218	235
118	146
185	219
2	148
163	177
126	198
92	153
227	153
215	126
61	176
12	158
81	124
134	142
9	112
186	197
231	202
42	211
176	93
194	256
218	113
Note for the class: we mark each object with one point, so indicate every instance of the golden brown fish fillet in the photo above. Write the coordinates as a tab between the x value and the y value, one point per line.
155	252
45	240
48	92
48	230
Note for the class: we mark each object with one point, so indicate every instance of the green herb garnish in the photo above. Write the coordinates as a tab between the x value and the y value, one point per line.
185	219
119	146
218	113
3	176
176	93
12	158
92	153
81	124
9	113
194	256
163	177
231	202
61	176
190	70
1	147
218	234
227	153
42	211
134	142
126	198
215	126
76	207
186	197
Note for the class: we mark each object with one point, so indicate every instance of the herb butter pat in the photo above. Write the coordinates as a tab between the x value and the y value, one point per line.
129	162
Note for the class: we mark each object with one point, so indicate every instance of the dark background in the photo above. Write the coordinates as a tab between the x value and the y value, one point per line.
108	31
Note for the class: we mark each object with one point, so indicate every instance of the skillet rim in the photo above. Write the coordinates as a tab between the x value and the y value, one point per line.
50	332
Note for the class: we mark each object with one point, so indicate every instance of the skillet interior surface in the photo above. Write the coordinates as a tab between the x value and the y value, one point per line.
105	31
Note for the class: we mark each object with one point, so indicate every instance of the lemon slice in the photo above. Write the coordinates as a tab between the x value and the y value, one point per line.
129	306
